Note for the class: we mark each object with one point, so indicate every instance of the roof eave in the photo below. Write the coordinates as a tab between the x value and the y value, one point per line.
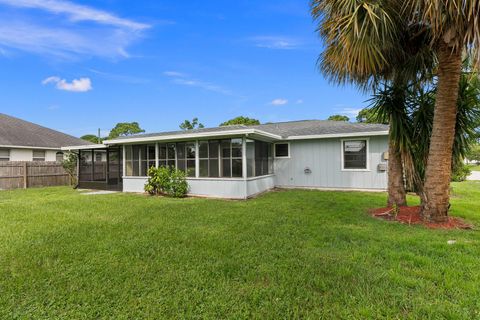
196	135
339	135
85	147
29	147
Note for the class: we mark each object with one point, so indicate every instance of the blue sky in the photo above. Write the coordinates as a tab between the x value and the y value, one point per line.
76	66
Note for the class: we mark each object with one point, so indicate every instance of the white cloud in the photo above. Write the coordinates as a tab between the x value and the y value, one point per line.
299	101
58	32
275	42
77	85
279	102
183	79
77	12
351	112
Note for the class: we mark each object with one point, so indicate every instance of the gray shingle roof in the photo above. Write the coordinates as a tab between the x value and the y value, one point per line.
284	129
17	132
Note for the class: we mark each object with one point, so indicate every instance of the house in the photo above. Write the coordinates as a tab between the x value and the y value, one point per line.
241	161
25	141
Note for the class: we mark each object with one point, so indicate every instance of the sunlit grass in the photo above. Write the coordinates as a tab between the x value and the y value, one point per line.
287	254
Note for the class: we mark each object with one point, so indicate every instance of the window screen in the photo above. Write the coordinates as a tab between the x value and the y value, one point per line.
355	154
38	155
4	155
282	150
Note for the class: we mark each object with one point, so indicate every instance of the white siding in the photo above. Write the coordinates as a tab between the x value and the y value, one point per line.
260	184
218	188
323	158
21	155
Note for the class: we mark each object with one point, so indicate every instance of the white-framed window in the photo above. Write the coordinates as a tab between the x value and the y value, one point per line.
355	154
59	156
282	150
38	155
4	155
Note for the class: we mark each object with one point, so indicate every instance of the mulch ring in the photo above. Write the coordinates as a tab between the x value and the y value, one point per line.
411	215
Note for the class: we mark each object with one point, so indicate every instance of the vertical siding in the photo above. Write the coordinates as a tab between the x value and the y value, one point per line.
323	158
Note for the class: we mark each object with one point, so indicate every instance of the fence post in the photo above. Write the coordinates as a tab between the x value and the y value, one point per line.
25	173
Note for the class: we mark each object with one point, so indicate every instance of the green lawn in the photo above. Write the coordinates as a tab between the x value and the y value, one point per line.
474	167
289	254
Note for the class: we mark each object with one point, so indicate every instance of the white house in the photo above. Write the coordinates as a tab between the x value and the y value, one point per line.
241	161
25	141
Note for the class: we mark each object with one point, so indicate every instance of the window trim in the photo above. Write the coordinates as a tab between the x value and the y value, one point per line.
275	151
342	159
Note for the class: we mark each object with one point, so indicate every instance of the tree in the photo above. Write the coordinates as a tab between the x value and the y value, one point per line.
191	125
123	129
92	138
240	120
69	164
369	42
338	117
367	115
453	27
474	153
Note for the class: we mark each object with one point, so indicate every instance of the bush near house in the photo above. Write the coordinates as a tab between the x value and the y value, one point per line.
167	181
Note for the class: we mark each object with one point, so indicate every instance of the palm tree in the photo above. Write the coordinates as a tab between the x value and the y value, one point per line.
368	42
454	28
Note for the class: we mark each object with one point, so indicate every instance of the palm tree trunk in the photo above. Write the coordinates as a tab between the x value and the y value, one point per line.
396	184
439	164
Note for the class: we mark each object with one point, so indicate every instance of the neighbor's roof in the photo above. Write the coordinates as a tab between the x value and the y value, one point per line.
292	130
19	133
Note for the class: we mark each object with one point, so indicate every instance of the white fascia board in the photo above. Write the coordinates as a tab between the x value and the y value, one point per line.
197	135
85	147
28	147
339	135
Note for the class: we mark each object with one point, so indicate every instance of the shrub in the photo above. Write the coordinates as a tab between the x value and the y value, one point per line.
166	181
69	164
460	172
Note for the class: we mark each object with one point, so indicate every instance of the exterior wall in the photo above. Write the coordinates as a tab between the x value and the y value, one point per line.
218	188
134	184
260	184
27	155
323	158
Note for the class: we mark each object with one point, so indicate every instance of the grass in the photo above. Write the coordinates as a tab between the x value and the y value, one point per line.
289	254
474	167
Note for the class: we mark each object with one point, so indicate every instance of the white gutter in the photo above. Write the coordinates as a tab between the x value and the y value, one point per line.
195	135
88	146
339	135
28	147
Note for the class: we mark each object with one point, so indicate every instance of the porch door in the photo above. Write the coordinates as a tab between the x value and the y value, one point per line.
115	166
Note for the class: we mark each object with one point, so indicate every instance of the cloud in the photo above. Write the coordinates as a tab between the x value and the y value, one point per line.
59	31
352	112
299	101
279	102
77	85
183	79
275	42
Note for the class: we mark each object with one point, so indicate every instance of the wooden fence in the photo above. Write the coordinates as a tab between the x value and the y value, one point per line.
29	174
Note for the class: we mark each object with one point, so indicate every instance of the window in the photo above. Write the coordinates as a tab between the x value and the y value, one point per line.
59	156
38	155
186	157
231	158
259	158
4	155
208	156
138	159
282	150
354	154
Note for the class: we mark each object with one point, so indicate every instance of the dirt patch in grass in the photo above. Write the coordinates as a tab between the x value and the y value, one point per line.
411	215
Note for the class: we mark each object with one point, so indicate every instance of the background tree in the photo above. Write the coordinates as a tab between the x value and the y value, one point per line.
367	115
240	120
123	129
92	138
338	117
69	164
191	125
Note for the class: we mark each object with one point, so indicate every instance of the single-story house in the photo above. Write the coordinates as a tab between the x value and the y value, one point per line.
21	140
241	161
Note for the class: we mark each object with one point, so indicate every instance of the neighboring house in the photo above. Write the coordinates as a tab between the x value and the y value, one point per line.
25	141
241	161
